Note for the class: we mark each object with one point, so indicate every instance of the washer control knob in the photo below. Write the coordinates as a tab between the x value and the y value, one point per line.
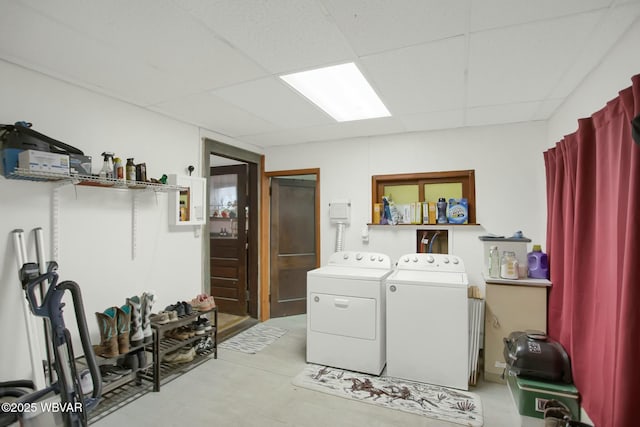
446	260
455	260
316	298
392	288
373	258
345	256
415	259
380	258
406	259
430	259
358	257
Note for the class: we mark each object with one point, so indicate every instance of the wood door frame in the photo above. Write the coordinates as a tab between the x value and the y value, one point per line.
212	147
265	202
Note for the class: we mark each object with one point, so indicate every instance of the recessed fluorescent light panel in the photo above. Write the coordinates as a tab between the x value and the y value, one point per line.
340	90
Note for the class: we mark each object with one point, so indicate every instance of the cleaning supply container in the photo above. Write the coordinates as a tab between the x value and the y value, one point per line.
538	263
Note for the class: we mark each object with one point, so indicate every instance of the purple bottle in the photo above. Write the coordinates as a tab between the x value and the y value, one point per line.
538	263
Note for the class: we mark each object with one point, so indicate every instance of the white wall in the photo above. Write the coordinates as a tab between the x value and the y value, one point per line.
509	171
95	223
600	86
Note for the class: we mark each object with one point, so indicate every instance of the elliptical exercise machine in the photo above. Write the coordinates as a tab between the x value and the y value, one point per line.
74	403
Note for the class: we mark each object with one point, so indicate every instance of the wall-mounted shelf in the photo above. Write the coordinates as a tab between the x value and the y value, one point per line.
91	181
432	226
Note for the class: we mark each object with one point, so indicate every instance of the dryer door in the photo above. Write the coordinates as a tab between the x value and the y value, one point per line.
347	316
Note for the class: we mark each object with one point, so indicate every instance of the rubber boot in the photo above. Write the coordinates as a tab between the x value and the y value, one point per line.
123	324
147	300
108	346
135	332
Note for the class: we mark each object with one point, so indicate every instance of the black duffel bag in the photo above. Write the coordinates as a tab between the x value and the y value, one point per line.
532	354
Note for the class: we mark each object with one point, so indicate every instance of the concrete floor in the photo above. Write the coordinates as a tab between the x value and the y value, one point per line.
241	389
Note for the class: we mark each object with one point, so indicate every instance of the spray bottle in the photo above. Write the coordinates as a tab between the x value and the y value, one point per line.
107	165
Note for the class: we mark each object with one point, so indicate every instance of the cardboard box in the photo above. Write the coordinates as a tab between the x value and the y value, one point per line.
377	213
530	396
80	164
42	161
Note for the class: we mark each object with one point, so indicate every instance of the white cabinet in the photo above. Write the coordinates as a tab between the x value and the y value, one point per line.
187	206
511	307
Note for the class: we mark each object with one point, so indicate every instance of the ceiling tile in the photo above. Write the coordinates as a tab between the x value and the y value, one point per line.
546	109
157	35
433	121
606	34
282	36
497	114
274	101
488	14
373	26
418	79
359	128
215	114
524	63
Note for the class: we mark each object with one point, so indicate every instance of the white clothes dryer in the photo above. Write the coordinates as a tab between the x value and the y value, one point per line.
428	320
346	312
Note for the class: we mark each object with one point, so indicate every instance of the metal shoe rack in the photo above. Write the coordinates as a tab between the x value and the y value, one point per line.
164	372
124	390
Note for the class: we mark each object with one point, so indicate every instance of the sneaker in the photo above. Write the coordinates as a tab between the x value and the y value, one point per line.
199	328
206	322
203	302
173	316
112	372
177	334
181	356
188	310
161	318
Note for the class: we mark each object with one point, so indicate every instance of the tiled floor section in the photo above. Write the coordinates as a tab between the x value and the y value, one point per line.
242	389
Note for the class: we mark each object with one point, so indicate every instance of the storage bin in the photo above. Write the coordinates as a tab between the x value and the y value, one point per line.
530	395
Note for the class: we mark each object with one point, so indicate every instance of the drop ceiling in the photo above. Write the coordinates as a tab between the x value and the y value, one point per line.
215	63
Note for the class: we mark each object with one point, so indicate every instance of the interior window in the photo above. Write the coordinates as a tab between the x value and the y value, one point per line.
426	187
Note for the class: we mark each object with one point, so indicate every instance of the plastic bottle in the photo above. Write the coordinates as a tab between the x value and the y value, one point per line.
494	262
538	263
442	211
118	169
509	265
131	170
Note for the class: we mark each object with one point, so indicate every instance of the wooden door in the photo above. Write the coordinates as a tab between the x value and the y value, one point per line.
228	238
293	244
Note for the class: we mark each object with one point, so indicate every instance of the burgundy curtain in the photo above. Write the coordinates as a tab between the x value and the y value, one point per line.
593	243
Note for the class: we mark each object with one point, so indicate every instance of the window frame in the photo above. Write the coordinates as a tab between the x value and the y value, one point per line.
465	177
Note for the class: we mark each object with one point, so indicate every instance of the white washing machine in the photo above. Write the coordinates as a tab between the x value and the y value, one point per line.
427	320
346	312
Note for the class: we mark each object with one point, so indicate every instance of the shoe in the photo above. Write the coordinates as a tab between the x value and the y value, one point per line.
204	345
173	316
142	359
161	318
556	414
199	328
112	372
123	325
181	356
177	307
136	335
206	322
203	302
187	308
130	361
108	346
177	334
147	301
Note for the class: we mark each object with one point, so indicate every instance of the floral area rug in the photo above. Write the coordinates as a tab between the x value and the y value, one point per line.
253	339
418	398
